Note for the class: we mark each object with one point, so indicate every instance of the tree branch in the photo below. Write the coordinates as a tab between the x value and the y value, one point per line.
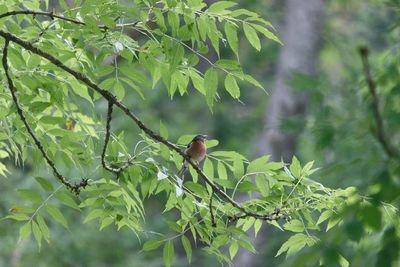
113	100
380	130
273	216
52	16
73	187
106	139
41	13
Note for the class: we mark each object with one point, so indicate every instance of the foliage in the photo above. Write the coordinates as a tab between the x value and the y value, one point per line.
54	67
344	133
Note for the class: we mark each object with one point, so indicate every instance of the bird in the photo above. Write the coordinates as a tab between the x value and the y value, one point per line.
196	150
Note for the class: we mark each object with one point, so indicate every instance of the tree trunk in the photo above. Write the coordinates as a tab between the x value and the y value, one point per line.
301	38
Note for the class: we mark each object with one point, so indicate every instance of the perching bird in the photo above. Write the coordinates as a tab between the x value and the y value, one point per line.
196	150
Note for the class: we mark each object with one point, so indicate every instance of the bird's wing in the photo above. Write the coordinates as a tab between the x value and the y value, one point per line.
188	145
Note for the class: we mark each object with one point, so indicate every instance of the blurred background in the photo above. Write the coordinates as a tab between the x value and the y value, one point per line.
318	107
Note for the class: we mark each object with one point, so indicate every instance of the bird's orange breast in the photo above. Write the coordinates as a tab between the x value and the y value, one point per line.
197	150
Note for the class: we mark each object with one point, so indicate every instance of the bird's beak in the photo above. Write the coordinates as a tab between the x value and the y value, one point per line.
204	136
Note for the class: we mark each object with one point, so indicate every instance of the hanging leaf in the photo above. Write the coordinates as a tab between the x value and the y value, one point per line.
168	254
252	36
231	86
57	215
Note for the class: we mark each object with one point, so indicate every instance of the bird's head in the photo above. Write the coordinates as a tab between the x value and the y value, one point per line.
200	137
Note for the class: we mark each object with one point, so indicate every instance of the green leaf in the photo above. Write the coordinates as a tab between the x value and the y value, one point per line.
185	139
160	19
252	36
3	154
225	183
119	90
176	55
22	209
30	195
294	226
220	240
181	80
173	20
39	106
37	233
25	231
174	226
324	216
257	227
80	90
168	253
220	6
231	86
295	167
67	200
258	165
253	81
43	227
214	34
228	64
152	245
163	131
130	84
248	223
332	222
57	215
262	184
267	33
188	248
46	185
228	154
233	249
343	262
274	165
34	61
208	168
197	81
293	244
231	36
211	85
18	217
106	222
16	57
247	245
238	167
135	75
3	169
196	188
93	215
53	120
212	143
246	186
222	171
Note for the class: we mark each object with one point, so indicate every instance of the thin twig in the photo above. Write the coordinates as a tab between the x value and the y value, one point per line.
73	187
106	139
213	224
113	99
380	130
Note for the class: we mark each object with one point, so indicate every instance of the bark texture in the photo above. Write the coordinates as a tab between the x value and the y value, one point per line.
301	38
